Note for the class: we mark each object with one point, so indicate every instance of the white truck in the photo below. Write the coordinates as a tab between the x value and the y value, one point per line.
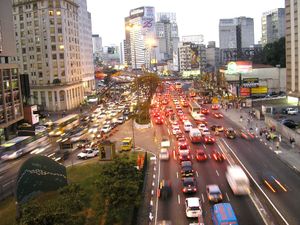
237	180
195	135
88	153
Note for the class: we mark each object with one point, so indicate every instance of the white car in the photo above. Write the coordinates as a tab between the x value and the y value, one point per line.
40	129
202	126
106	128
164	154
88	153
165	143
292	111
205	132
13	155
94	129
176	130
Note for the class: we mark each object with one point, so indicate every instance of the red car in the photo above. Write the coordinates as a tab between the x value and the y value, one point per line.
218	115
218	156
205	111
184	104
159	120
208	139
215	107
200	155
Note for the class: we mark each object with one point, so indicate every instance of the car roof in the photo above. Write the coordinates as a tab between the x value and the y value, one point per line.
213	188
194	201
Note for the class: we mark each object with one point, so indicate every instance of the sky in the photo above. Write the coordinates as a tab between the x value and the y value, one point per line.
193	16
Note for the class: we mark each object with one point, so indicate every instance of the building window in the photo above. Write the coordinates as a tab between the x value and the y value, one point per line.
53	47
59	30
58	13
54	56
51	13
61	55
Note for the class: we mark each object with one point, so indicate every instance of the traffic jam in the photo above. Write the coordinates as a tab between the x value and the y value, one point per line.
191	128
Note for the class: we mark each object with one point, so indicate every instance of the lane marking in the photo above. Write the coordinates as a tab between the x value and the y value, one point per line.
197	174
202	197
204	146
151	202
178	199
227	197
192	156
177	174
156	203
217	173
209	156
270	148
269	200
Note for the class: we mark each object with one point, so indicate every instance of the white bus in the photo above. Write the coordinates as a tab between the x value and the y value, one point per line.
194	108
64	124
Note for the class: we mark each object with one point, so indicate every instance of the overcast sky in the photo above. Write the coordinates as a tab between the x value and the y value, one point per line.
193	16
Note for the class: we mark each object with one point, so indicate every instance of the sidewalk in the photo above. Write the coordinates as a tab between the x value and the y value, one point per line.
287	154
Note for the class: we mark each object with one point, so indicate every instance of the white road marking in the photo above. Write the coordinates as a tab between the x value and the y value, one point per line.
8	183
192	156
197	174
156	203
266	143
204	146
152	192
177	174
217	173
227	197
270	148
260	139
209	156
278	152
269	200
202	198
153	184
178	198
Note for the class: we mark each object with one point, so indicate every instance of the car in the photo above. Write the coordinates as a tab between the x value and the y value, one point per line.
230	133
164	154
272	182
200	155
165	143
159	120
189	185
176	130
178	107
218	128
184	155
184	103
106	128
156	113
175	124
214	193
201	126
289	123
60	155
94	129
208	139
180	112
193	207
204	111
218	115
120	120
292	111
205	132
13	155
164	190
40	128
218	156
88	153
186	169
215	107
246	134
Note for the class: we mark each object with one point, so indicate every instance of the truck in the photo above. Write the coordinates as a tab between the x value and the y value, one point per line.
223	213
237	180
195	135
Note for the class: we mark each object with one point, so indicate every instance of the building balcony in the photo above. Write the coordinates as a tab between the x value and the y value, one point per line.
54	85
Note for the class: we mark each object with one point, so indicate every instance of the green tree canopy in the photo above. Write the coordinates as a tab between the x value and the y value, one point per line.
274	53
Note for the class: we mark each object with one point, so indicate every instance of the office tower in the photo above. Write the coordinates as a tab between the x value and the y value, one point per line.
97	43
86	47
273	25
167	35
212	56
111	55
292	8
140	37
49	50
236	36
11	106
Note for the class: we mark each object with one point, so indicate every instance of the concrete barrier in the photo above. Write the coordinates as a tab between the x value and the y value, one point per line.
142	126
283	130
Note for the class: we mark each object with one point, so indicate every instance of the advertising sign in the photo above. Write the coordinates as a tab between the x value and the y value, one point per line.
195	58
259	90
239	67
245	92
137	11
250	82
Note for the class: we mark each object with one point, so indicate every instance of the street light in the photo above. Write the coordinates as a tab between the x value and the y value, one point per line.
133	28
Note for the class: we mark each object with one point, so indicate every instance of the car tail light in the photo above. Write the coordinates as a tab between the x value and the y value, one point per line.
205	139
195	189
215	156
184	190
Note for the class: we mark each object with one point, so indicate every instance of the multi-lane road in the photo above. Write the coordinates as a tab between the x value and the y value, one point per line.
260	207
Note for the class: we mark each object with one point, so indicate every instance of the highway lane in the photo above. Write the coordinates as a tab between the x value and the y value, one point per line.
258	159
205	173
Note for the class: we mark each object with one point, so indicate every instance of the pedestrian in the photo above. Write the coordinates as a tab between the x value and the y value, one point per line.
241	118
277	145
293	143
279	138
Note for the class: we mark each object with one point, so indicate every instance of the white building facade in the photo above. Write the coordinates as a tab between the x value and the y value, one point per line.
49	51
273	25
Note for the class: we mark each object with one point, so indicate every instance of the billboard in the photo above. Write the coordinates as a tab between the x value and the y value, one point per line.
148	21
250	82
195	58
138	11
259	90
239	67
245	92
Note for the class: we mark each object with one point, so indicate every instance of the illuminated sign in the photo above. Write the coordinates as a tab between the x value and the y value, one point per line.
259	90
239	67
136	11
191	73
245	92
250	82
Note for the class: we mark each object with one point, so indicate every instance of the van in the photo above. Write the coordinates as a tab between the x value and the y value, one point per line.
195	135
237	180
126	144
187	125
223	213
193	207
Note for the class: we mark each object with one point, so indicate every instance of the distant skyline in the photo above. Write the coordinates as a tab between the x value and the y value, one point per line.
193	16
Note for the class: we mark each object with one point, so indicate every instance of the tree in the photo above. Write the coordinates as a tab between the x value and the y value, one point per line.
274	53
119	183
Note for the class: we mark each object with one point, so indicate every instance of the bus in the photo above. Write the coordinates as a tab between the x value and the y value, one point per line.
194	108
64	124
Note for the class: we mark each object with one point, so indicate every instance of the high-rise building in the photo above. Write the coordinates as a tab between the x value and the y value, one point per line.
192	58
140	37
292	9
273	25
11	106
49	49
236	36
111	55
86	47
212	57
97	43
167	35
